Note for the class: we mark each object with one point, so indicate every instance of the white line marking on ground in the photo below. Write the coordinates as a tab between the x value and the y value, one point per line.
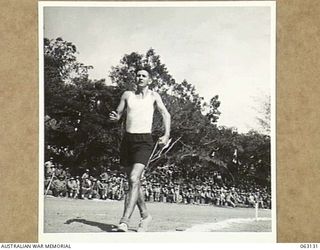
209	227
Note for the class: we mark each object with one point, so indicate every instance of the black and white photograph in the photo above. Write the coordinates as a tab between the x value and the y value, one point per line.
157	120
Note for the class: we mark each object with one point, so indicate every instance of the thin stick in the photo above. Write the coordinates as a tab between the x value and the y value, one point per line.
45	194
159	154
152	154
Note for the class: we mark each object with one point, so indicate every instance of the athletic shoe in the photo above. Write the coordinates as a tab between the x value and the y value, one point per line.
123	227
143	225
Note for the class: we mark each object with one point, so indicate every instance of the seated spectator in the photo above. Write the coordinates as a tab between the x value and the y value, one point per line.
59	187
230	199
222	197
250	200
103	189
72	187
86	188
48	168
95	189
208	196
184	195
85	174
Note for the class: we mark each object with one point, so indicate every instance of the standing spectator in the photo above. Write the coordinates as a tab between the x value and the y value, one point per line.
170	194
157	191
203	196
151	193
191	196
197	194
164	193
78	185
208	196
176	193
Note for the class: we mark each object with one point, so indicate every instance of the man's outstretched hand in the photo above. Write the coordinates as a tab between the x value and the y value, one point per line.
114	116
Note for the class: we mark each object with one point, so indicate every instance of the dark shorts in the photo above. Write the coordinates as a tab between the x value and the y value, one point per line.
135	148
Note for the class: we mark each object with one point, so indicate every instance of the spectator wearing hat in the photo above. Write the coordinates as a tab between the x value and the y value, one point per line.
110	185
49	168
95	189
176	194
67	173
86	188
72	187
197	192
170	194
77	179
190	195
164	193
230	199
86	174
250	200
203	196
157	191
59	187
58	170
151	192
208	196
102	188
218	201
104	176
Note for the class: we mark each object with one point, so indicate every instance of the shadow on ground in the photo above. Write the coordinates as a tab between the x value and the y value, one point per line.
104	227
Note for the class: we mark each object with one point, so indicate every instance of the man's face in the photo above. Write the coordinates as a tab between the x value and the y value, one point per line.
142	78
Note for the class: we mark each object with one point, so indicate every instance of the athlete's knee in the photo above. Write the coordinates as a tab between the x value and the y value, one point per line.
134	179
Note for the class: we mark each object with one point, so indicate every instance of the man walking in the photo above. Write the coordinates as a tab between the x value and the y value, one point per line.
137	144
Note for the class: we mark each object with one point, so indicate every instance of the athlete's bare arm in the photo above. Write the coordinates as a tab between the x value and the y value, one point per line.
165	116
116	115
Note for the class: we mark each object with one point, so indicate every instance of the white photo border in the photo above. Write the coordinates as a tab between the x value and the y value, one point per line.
161	237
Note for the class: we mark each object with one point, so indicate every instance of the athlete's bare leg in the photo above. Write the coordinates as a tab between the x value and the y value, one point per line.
140	203
134	195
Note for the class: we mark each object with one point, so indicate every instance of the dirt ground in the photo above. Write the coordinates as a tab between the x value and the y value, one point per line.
63	215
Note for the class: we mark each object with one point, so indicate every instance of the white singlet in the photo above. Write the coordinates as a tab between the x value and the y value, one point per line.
139	113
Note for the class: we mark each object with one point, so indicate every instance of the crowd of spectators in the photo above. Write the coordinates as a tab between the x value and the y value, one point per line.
113	185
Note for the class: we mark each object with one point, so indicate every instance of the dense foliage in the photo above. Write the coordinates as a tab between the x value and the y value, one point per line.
78	134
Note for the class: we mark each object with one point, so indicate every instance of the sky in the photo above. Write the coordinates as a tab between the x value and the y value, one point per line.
223	50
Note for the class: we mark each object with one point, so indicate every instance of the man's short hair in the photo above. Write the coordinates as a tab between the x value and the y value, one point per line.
146	68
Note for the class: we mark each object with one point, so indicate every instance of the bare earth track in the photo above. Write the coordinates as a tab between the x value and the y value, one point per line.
62	215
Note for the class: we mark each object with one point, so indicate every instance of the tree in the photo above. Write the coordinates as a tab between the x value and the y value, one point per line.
77	134
264	114
182	101
60	61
